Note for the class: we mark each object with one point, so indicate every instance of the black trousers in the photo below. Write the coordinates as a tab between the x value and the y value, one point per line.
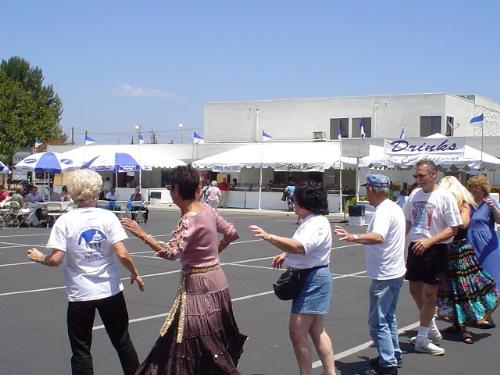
114	315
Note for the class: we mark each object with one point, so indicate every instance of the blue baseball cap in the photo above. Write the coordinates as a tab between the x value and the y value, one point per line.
377	180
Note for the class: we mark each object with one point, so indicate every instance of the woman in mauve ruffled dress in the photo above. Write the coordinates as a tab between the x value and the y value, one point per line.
200	334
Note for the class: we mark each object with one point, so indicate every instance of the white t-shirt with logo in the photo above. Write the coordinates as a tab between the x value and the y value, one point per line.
386	261
315	234
431	213
90	265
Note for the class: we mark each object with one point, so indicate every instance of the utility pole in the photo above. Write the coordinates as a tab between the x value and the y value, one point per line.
72	135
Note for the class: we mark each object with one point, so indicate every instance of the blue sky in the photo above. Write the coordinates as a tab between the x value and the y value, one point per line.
116	64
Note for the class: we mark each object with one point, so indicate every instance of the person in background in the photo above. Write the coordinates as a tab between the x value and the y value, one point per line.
33	196
4	195
88	242
269	186
53	196
384	242
200	334
65	196
482	234
17	196
432	219
106	186
289	193
223	186
213	195
309	249
137	197
467	294
234	184
203	192
402	198
112	195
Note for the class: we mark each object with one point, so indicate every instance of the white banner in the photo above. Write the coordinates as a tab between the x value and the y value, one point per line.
226	168
300	167
417	146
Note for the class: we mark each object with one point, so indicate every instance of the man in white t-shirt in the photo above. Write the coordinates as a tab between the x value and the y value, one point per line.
384	242
432	219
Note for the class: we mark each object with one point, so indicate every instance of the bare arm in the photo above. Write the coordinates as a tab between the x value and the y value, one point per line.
52	260
288	245
370	238
465	214
420	246
125	259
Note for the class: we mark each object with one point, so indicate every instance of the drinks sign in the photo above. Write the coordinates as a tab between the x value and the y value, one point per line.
417	146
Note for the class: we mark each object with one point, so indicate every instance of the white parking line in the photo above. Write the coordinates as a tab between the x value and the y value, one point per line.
365	345
250	296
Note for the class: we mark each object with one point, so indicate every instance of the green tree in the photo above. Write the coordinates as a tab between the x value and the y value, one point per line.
28	108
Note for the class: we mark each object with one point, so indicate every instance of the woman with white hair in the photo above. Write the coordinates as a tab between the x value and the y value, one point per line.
86	241
467	294
213	195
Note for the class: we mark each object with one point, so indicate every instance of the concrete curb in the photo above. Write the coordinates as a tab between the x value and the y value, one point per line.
336	217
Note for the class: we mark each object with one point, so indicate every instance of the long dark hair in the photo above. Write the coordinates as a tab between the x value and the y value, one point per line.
311	196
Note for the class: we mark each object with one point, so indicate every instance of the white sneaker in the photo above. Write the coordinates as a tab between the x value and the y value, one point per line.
426	346
434	336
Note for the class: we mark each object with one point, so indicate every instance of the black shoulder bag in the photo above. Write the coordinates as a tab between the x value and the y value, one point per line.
290	283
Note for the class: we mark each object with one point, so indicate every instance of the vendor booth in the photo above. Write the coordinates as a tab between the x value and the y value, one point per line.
128	166
451	155
260	160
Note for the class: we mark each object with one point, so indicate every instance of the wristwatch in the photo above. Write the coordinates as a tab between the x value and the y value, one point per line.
355	236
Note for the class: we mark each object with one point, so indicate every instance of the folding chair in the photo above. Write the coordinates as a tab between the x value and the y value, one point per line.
17	215
54	210
139	211
121	209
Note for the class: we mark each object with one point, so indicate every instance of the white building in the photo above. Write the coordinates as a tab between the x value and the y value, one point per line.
322	118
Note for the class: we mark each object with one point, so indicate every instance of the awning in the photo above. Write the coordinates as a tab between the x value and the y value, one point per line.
281	156
469	158
147	158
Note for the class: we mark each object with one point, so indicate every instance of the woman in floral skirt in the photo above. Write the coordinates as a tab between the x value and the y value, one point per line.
467	294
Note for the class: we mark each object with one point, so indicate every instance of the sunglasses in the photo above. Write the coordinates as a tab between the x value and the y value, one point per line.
420	175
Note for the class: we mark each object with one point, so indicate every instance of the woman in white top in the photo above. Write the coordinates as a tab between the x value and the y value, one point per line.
88	241
309	249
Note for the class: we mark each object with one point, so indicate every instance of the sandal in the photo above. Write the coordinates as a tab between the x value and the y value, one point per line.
486	324
451	329
467	337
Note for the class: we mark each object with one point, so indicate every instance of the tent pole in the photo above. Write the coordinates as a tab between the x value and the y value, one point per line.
260	186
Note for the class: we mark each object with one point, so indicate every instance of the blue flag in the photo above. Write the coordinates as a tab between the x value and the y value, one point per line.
197	139
266	136
477	120
89	141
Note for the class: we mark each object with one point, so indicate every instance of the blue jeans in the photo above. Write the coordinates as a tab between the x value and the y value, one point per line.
382	319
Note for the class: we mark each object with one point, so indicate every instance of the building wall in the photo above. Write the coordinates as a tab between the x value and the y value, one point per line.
297	119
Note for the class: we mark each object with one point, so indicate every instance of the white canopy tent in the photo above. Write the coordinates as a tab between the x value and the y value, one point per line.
281	156
470	158
147	158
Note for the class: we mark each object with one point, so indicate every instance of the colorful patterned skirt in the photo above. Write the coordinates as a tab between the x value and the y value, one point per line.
467	293
200	334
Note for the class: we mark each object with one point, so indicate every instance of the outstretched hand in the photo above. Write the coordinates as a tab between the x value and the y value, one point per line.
258	232
132	227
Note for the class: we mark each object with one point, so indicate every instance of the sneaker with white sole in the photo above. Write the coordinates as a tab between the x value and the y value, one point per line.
434	336
426	346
